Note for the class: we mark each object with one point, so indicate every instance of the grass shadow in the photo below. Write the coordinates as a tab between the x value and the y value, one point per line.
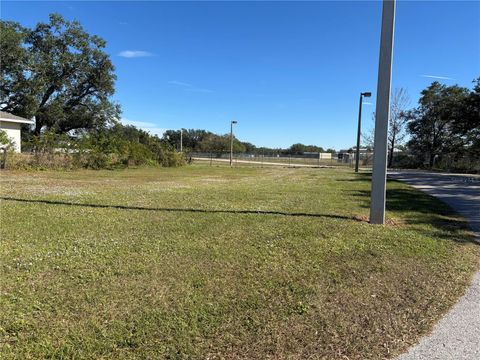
428	211
191	210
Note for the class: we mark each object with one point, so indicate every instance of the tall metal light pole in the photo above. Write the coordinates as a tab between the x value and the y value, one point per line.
359	130
231	140
382	113
181	140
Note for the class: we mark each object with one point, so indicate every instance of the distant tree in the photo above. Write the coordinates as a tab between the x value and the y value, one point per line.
397	121
431	124
466	123
249	147
191	138
130	133
299	148
221	143
396	124
62	76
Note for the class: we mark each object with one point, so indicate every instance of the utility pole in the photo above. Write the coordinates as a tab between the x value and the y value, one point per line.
382	113
231	140
359	129
181	140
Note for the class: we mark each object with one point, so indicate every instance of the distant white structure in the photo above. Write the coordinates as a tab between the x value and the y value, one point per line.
12	124
315	155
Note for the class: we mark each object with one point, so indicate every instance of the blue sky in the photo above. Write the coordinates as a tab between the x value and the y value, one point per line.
288	72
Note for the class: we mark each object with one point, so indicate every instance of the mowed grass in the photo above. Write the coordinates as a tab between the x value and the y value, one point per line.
211	262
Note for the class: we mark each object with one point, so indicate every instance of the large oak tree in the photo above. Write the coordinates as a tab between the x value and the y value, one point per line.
58	73
432	125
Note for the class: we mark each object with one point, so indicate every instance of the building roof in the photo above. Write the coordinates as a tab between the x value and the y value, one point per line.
4	116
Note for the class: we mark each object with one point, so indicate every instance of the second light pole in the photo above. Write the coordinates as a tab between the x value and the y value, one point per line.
359	130
231	140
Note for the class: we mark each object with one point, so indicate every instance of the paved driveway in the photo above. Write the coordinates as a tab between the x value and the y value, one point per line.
457	335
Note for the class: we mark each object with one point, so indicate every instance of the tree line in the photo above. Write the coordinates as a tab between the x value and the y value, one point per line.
445	125
442	131
198	140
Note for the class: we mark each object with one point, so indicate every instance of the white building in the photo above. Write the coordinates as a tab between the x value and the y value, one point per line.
12	124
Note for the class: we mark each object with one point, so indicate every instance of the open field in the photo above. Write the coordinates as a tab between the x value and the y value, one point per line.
270	161
212	262
256	162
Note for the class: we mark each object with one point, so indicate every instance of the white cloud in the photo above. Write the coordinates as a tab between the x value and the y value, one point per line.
437	77
189	87
180	83
367	103
145	125
134	54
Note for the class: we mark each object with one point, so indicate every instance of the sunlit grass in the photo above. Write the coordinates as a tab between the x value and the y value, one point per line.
212	262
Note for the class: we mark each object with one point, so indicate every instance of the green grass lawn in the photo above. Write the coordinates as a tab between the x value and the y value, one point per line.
212	262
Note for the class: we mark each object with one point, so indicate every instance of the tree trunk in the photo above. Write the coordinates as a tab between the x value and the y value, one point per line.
431	160
38	125
392	147
390	158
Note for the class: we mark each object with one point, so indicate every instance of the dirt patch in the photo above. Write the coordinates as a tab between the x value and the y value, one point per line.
388	221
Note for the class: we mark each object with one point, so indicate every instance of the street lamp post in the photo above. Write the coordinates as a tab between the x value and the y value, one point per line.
382	113
181	140
359	130
231	140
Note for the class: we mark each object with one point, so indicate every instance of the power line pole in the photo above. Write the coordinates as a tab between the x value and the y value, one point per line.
359	129
181	140
231	141
382	113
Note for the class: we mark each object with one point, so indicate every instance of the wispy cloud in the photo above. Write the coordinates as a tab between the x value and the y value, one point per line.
437	77
189	87
367	103
145	125
180	83
134	54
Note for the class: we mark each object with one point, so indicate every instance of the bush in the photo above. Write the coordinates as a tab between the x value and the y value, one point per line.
106	149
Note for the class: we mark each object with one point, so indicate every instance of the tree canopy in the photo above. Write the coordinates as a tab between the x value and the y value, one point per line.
58	73
447	120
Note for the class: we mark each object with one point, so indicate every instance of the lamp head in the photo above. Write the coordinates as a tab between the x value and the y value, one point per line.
367	94
234	121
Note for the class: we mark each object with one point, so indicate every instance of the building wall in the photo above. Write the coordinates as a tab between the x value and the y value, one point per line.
13	132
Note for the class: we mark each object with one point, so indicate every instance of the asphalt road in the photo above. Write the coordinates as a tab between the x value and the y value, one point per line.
457	335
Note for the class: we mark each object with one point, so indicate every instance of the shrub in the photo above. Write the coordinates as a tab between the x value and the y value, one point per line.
6	148
107	149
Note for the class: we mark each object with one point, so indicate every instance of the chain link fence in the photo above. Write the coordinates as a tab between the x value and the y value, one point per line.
449	162
276	159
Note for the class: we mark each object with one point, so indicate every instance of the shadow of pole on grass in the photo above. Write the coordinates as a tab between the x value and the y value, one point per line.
191	210
446	222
